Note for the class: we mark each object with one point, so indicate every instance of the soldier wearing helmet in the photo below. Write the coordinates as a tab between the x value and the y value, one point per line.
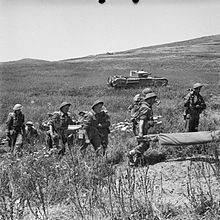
81	116
194	105
31	133
135	106
92	124
58	127
103	128
145	122
15	129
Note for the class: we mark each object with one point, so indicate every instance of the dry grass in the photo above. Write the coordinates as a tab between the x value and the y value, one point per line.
38	186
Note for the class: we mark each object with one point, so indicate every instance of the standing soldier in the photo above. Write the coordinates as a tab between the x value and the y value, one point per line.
59	126
91	124
145	122
15	129
103	128
194	105
31	133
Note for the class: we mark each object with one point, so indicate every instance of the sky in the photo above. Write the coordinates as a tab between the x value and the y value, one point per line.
62	29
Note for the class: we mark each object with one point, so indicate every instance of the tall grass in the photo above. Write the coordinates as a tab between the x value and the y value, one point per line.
90	187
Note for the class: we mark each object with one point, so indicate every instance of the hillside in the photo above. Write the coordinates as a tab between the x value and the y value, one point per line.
204	46
184	186
183	63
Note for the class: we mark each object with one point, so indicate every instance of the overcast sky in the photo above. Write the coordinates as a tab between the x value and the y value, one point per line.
61	29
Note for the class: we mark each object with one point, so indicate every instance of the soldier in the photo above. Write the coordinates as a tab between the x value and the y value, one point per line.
134	108
15	129
82	135
44	126
103	128
81	117
194	105
58	128
90	124
31	133
145	122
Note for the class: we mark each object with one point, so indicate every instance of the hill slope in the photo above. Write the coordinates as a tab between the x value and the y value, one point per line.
182	63
205	46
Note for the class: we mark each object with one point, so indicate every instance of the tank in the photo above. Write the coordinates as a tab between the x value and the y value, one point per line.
137	78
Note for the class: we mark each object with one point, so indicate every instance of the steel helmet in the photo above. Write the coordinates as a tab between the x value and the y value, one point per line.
197	85
146	91
17	107
64	104
150	95
30	123
137	98
97	102
83	112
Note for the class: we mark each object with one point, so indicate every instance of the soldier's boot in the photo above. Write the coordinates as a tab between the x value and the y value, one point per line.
136	159
104	148
139	159
49	141
98	152
61	151
130	156
103	151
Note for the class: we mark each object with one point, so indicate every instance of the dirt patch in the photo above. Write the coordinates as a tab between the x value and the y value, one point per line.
173	180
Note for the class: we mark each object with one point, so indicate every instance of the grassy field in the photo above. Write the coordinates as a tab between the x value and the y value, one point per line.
40	86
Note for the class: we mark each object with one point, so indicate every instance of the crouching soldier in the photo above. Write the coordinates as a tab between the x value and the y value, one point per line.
59	128
81	117
15	129
194	105
31	133
145	122
103	128
82	136
91	125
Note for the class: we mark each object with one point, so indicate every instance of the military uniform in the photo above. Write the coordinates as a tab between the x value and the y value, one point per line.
134	110
60	122
135	107
31	133
45	126
81	117
90	124
15	130
194	105
103	128
145	115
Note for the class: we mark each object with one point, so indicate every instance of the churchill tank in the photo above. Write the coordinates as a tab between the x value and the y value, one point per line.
137	78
